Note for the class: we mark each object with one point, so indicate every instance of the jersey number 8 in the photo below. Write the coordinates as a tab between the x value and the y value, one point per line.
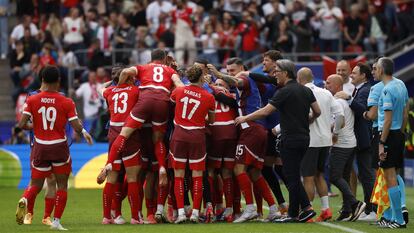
158	76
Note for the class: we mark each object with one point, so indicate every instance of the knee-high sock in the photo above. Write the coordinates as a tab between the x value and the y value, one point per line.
160	153
401	186
60	204
30	194
117	199
387	214
228	191
179	192
49	205
273	182
133	199
395	198
259	199
198	192
236	196
117	147
162	195
246	187
186	191
265	190
107	196
218	195
208	188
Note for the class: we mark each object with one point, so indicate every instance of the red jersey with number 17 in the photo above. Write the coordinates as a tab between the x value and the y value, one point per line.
156	76
50	111
192	104
120	100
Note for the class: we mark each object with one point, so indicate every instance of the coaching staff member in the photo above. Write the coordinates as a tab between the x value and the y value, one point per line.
294	102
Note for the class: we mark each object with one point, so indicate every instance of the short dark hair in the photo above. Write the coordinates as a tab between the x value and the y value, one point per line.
365	69
387	65
194	73
273	54
158	55
235	60
116	71
201	61
49	74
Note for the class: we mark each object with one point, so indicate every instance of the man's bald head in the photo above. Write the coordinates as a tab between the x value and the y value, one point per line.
344	70
334	83
304	75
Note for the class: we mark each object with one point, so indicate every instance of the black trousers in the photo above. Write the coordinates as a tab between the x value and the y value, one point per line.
292	153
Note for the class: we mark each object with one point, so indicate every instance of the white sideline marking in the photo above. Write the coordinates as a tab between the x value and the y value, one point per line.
326	224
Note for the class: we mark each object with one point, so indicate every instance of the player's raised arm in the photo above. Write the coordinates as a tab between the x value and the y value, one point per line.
176	80
77	126
232	81
126	73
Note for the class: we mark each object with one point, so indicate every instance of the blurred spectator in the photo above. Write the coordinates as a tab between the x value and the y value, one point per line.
376	31
227	37
405	18
24	7
18	59
138	14
164	32
234	6
124	38
46	57
300	26
89	92
102	75
104	35
284	40
113	19
45	37
95	55
249	36
91	25
4	8
184	35
31	45
49	7
18	136
353	28
28	77
273	15
67	6
153	12
330	33
73	28
142	35
272	7
316	5
210	41
142	54
54	25
67	58
18	30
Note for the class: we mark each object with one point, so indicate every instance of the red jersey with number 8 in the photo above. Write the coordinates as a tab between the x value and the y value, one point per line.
192	104
155	76
120	101
50	111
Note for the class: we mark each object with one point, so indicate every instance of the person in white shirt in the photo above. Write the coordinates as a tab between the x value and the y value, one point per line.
342	151
344	70
89	92
210	41
73	28
329	32
313	163
153	12
18	31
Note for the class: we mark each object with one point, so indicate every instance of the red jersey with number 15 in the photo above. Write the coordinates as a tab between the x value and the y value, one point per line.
192	104
50	111
120	101
156	76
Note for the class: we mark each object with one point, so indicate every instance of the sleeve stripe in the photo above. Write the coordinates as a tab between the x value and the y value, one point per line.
27	113
73	118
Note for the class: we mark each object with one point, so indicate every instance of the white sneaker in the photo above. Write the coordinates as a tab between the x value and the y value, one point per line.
248	214
57	226
272	216
194	218
119	220
180	219
21	210
371	217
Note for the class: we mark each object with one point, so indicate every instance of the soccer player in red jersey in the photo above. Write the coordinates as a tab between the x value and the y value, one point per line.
120	99
223	146
49	111
188	143
157	81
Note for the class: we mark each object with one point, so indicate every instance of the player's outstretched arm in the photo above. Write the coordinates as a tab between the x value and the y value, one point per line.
232	81
176	80
77	126
126	73
259	114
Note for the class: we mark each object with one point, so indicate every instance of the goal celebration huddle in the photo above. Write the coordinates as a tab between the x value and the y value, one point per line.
204	146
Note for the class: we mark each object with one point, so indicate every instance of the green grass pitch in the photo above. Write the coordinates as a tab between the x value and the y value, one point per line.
83	214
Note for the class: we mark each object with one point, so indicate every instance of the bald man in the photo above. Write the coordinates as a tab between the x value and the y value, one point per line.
344	70
313	163
344	143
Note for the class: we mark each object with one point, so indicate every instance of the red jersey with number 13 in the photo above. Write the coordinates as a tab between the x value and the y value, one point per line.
50	111
192	104
120	101
156	76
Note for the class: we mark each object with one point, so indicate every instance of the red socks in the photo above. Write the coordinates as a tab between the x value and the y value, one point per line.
236	197
197	192
162	194
218	196
264	190
30	194
49	205
133	199
228	191
258	198
160	154
212	189
107	196
246	187
117	198
117	146
179	191
60	203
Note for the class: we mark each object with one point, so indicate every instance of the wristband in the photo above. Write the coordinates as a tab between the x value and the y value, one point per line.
84	130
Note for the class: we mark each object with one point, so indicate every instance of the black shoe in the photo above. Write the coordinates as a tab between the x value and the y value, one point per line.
304	216
383	223
395	225
405	214
344	217
286	219
357	210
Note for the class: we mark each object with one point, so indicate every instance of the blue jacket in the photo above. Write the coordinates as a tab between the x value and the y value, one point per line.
362	127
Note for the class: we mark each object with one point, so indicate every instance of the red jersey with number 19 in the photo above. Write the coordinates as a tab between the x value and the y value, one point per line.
155	76
50	111
192	103
120	101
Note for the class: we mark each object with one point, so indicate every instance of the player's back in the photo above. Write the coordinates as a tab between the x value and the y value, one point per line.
224	114
50	111
155	76
192	105
120	101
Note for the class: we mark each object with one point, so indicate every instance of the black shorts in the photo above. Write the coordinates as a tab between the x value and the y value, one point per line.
394	149
271	144
374	144
314	160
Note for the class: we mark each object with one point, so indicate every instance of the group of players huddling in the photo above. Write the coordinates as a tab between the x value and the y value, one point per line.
169	135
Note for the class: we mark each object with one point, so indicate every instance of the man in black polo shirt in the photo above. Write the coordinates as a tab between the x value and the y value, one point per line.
293	101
